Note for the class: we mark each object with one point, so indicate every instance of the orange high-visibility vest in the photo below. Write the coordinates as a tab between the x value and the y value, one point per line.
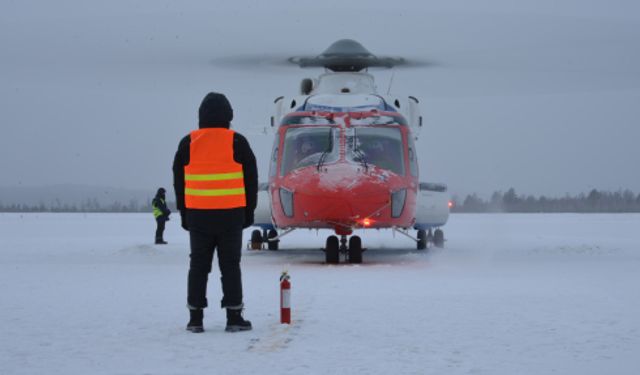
212	179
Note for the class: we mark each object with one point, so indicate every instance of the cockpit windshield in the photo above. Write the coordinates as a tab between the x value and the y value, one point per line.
312	145
307	120
355	118
388	119
379	146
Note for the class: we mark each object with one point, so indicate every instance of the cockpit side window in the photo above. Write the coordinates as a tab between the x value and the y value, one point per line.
307	146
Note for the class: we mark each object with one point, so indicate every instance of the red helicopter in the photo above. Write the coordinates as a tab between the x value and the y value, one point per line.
344	158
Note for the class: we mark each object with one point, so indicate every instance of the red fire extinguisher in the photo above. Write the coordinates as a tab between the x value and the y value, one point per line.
285	298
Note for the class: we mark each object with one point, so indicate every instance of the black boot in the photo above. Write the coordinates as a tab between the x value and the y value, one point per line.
161	242
235	321
195	323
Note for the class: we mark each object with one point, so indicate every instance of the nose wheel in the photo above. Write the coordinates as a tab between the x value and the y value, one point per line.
355	250
332	250
334	247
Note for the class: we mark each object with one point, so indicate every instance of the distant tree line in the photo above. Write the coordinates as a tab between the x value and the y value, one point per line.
88	205
594	201
510	201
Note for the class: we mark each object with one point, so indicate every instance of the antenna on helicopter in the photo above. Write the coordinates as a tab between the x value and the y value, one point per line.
393	74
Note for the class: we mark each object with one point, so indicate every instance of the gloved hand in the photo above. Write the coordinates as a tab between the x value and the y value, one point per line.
183	220
248	219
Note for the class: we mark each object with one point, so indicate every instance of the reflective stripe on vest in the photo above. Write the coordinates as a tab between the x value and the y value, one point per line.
213	180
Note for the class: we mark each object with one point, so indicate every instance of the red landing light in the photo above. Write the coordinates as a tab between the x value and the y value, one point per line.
450	204
366	222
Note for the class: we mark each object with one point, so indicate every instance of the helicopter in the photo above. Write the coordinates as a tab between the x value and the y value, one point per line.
344	159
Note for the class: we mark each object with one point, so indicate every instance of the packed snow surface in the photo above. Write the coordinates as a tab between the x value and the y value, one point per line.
509	294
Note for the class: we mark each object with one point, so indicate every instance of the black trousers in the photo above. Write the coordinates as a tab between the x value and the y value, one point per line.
160	221
228	243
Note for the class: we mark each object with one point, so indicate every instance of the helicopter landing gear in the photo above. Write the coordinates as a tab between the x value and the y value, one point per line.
256	240
438	238
355	250
425	238
343	244
332	250
429	237
272	245
334	247
422	239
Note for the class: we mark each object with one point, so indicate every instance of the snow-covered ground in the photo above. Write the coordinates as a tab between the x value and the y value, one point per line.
510	294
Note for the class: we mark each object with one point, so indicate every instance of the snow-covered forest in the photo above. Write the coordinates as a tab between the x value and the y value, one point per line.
510	201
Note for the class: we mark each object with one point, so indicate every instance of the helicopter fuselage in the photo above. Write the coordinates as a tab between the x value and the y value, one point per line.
344	158
343	170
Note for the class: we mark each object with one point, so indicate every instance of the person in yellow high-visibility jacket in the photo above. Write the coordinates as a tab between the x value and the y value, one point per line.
161	213
216	186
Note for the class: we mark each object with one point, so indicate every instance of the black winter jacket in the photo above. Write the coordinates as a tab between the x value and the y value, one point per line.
204	220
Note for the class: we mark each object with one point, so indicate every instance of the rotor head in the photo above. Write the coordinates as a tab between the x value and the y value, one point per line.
346	55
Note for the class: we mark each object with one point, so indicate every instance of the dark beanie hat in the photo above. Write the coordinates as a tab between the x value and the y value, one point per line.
215	110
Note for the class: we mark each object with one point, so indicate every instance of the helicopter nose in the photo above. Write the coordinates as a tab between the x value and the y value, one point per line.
341	194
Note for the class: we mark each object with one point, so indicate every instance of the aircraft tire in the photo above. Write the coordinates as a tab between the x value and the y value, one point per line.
273	245
256	240
422	239
355	250
331	250
438	238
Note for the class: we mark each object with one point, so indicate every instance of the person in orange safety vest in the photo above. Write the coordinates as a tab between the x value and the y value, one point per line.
216	186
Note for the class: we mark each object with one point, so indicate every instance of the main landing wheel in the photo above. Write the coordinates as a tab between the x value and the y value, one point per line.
256	240
273	245
331	250
355	250
422	239
438	238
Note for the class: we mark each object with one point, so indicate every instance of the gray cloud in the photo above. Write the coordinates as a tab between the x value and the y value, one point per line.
542	96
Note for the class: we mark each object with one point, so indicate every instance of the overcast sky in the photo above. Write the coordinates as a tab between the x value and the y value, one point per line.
542	96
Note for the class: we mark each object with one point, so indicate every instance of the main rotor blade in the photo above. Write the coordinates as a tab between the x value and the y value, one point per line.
251	61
